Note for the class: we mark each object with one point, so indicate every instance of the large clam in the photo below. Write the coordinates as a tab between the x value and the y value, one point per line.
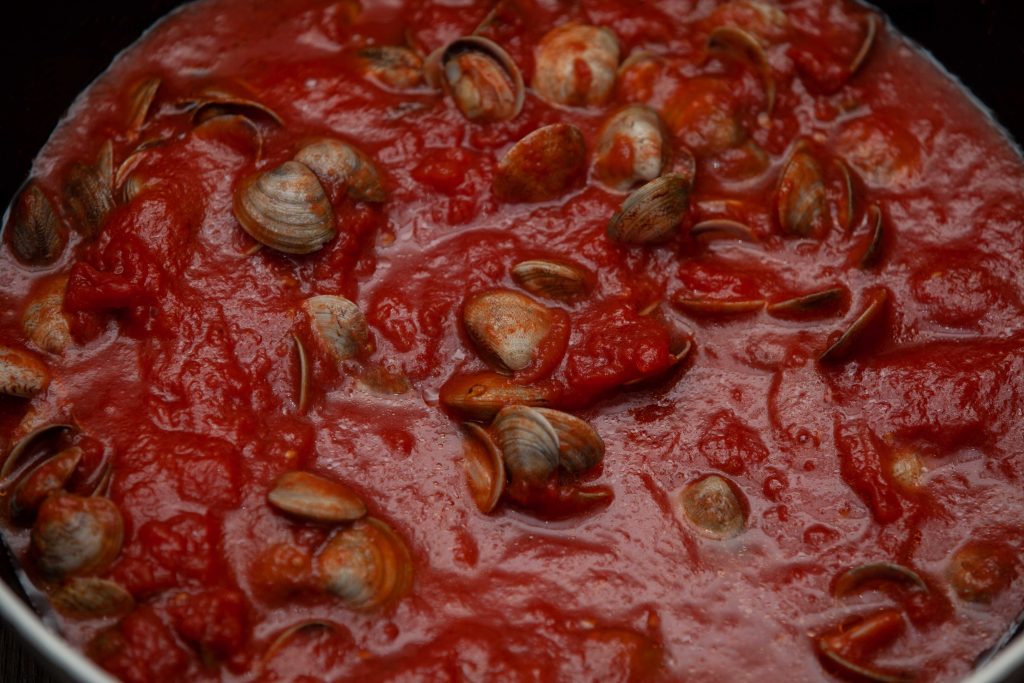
366	565
479	396
576	65
480	77
73	535
800	198
36	235
534	442
341	167
339	325
653	212
506	327
21	374
542	166
633	148
285	209
44	321
711	506
315	498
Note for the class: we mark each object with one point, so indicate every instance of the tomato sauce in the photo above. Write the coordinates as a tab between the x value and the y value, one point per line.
904	446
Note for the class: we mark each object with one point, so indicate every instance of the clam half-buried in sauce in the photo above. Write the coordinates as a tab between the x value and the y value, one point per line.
519	341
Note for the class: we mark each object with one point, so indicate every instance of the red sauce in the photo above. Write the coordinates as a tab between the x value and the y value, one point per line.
182	375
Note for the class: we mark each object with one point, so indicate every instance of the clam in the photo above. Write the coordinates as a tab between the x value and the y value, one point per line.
705	307
26	445
542	166
800	198
307	627
339	325
392	66
652	213
44	321
853	580
576	65
302	400
315	498
870	31
506	327
47	477
528	443
37	235
981	570
342	167
214	102
480	77
846	206
142	99
579	445
479	396
90	597
844	345
21	374
633	148
236	131
73	535
485	468
714	229
816	303
88	192
848	642
711	506
733	42
366	565
285	209
873	248
552	279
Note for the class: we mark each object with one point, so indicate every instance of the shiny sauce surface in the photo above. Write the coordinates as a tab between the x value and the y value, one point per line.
183	373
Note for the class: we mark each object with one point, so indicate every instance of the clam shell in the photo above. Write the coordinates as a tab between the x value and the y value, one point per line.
36	235
44	321
710	505
25	444
816	303
576	65
213	102
315	498
480	77
800	199
845	345
633	148
653	212
339	325
45	478
91	597
88	192
479	396
391	66
142	99
579	445
73	535
21	374
722	229
873	248
553	279
366	565
878	628
340	165
528	443
853	580
506	327
285	209
485	468
542	166
733	42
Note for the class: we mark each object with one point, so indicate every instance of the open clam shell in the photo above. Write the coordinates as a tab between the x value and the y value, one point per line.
633	147
45	478
285	209
485	468
480	77
576	65
542	166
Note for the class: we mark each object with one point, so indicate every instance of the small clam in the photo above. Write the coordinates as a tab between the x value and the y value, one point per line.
506	327
285	209
75	535
214	102
485	468
339	325
142	99
479	396
342	167
27	445
480	77
314	498
816	303
710	504
528	443
392	66
88	192
873	247
735	43
553	279
542	166
579	445
21	374
366	565
800	198
47	477
981	570
722	229
576	65
704	307
91	597
845	344
37	235
633	148
853	580
850	642
44	321
653	212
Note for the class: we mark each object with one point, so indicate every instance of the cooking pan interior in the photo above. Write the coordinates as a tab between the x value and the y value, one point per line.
52	52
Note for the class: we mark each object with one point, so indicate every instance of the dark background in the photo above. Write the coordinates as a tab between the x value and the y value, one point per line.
49	51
